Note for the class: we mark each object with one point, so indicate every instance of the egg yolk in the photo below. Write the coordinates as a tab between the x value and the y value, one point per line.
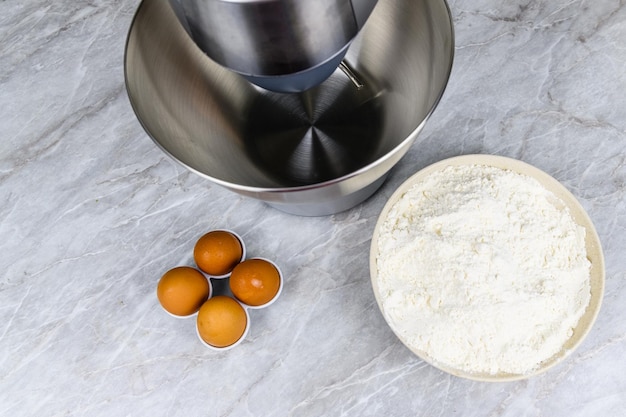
217	252
182	290
221	321
255	282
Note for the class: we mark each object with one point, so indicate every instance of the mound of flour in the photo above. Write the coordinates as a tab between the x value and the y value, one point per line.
483	269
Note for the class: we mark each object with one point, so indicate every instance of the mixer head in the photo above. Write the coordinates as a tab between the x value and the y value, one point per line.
280	45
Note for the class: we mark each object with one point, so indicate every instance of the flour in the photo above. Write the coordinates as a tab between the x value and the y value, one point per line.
483	269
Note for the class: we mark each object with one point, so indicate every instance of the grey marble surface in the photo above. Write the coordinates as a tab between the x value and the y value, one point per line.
92	213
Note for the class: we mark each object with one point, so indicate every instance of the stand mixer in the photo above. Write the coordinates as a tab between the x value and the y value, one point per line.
251	128
281	45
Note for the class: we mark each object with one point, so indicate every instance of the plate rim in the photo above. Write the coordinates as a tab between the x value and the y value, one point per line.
580	216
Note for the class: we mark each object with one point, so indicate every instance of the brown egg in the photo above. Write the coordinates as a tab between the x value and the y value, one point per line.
255	282
182	290
221	321
217	252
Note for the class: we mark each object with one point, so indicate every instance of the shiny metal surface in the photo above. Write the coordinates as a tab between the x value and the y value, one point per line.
281	45
312	153
269	37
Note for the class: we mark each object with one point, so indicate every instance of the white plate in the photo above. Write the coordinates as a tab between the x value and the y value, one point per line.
594	253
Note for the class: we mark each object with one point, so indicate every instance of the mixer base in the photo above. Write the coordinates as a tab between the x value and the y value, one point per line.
333	206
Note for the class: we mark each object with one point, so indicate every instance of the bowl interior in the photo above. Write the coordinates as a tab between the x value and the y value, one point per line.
223	127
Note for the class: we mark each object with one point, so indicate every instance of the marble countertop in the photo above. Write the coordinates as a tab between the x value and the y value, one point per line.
93	213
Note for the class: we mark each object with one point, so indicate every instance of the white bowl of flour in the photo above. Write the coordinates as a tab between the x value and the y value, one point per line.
487	268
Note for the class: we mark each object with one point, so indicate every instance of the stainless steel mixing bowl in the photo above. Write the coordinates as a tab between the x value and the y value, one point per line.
318	152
